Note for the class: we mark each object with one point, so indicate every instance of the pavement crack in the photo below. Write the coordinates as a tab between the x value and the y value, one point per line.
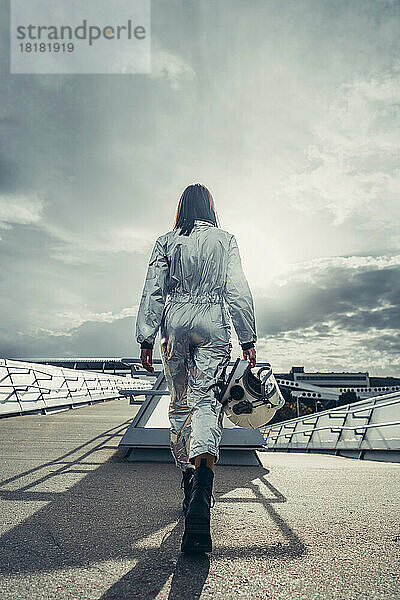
55	542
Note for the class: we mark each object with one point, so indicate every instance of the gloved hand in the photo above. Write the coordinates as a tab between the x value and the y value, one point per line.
250	355
146	356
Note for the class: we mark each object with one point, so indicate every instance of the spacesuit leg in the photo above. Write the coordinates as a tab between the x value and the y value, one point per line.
174	356
205	368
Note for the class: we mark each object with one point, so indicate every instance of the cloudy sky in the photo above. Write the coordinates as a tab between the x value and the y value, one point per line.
287	110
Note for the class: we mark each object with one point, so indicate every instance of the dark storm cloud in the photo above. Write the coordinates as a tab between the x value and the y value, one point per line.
386	344
108	339
9	172
39	294
344	297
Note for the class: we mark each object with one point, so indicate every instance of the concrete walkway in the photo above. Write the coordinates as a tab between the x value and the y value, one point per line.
78	522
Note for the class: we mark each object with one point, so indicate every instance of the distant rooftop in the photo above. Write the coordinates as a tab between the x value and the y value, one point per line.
301	370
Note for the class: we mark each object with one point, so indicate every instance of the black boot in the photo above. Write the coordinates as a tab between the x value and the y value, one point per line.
186	484
197	537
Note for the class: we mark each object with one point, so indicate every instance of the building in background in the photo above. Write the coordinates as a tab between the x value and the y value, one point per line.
324	390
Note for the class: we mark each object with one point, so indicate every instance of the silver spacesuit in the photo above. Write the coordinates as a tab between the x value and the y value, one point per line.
191	283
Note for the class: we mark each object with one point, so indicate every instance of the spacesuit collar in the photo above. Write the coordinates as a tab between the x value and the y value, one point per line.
203	222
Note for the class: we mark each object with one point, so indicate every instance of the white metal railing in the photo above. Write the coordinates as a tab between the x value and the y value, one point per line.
371	424
26	386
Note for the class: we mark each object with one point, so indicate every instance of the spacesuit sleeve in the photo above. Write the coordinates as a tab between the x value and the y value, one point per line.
238	297
153	298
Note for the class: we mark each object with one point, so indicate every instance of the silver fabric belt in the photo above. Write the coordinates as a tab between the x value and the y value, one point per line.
196	298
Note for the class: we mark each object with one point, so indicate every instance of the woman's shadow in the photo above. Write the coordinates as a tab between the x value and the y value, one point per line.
119	511
188	574
155	569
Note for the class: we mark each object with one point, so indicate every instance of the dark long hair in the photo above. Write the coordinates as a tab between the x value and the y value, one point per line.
196	202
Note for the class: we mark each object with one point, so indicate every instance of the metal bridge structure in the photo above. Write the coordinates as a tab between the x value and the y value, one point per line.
368	429
307	392
79	519
35	387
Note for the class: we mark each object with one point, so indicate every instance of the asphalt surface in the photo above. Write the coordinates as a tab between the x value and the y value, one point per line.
79	522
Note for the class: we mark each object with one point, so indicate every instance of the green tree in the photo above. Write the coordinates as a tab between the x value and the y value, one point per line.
347	398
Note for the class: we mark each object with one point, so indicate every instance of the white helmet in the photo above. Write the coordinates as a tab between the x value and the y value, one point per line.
250	401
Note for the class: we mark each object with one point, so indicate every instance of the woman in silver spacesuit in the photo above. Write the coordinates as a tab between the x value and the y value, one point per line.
194	282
